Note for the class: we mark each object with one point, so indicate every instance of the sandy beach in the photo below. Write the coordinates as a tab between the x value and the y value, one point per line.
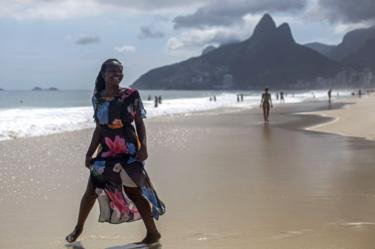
357	119
228	182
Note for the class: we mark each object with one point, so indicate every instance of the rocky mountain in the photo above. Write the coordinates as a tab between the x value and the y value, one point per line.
364	57
352	42
320	47
269	57
208	49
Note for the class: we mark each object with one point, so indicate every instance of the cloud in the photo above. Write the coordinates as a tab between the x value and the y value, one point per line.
197	38
228	12
345	28
87	39
348	11
124	49
147	5
201	37
66	9
148	32
49	9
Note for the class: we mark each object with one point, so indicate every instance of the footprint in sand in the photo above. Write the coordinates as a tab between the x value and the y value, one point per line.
290	234
203	236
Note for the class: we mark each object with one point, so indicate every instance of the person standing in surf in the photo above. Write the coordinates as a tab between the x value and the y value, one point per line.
116	158
266	104
329	95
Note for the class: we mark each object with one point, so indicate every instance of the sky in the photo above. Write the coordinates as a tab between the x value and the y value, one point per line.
62	43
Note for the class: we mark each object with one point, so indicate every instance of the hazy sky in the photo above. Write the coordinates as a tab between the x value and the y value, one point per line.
62	43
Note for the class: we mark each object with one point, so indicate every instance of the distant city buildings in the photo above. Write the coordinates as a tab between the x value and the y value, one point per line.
346	78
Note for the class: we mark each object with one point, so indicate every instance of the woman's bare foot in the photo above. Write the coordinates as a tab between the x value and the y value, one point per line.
151	238
74	235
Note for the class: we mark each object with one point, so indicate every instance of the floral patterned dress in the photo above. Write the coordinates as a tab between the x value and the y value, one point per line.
116	164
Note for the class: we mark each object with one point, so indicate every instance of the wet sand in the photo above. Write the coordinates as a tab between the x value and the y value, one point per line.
228	182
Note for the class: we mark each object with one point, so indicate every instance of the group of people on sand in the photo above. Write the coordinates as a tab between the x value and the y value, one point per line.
157	100
281	96
240	97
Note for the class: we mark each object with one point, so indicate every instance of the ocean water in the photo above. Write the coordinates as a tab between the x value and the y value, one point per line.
37	113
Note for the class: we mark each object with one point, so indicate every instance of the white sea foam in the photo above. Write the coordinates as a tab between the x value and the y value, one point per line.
37	121
26	122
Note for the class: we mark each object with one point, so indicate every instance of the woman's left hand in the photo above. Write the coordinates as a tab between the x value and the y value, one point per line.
142	154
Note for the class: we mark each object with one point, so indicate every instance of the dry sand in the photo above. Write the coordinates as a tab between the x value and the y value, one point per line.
357	119
228	182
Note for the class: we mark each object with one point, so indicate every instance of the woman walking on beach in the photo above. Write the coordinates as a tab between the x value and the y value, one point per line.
266	103
120	150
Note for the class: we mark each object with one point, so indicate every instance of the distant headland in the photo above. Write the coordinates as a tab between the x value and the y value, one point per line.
37	88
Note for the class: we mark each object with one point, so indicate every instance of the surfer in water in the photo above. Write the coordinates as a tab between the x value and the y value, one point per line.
266	104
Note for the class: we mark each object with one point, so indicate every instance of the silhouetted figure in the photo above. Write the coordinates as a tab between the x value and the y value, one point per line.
159	99
210	98
149	98
277	96
241	97
359	93
266	104
329	95
156	101
238	98
282	97
215	98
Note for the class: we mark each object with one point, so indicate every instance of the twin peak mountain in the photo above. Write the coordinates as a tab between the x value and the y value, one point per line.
270	57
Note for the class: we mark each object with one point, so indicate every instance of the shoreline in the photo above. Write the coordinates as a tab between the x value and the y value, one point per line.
58	118
354	119
315	105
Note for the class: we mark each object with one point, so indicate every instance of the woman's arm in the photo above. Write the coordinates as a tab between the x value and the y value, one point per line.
261	101
95	140
141	132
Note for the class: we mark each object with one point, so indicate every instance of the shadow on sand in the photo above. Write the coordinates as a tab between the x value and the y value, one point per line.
78	245
137	246
74	245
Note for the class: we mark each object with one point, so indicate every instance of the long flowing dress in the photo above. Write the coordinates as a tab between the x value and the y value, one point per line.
115	164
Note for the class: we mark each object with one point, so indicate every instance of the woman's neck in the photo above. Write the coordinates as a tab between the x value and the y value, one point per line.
111	91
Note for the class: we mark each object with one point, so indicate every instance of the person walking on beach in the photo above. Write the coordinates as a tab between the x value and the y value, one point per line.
282	100
117	175
266	104
156	101
329	94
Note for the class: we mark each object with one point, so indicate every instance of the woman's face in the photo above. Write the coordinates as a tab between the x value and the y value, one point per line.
113	74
